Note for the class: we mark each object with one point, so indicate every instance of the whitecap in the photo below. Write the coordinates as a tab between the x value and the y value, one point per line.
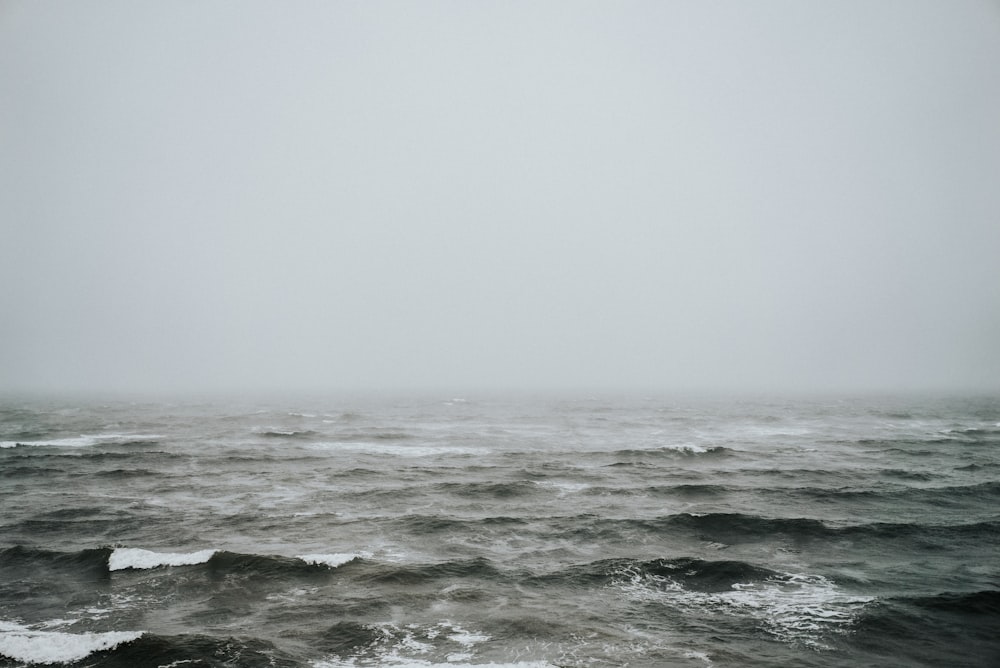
689	448
22	643
467	638
130	557
795	608
83	440
701	656
331	560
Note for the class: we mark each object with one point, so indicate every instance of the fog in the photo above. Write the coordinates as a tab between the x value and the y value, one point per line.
780	196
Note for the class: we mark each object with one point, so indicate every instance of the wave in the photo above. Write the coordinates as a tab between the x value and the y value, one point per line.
331	560
908	453
954	629
685	490
107	524
936	495
399	574
72	513
353	644
373	434
724	528
106	560
22	471
706	576
976	435
978	467
680	450
274	432
976	603
83	454
124	649
385	449
431	524
733	527
125	473
972	436
276	566
695	574
91	562
127	557
792	607
34	646
902	474
499	490
223	562
86	441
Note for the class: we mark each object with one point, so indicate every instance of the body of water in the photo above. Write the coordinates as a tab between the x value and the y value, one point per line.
526	532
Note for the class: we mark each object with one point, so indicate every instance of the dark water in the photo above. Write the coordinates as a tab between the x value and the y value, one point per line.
528	532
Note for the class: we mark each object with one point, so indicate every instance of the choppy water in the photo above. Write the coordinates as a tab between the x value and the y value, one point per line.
527	532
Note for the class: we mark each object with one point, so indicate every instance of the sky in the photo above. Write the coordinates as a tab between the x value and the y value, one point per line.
518	195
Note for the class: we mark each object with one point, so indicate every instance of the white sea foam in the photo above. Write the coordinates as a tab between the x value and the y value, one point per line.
794	608
700	656
83	440
690	448
402	662
292	595
467	638
130	557
401	643
332	560
21	643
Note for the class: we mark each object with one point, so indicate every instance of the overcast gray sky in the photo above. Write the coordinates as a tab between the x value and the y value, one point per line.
399	195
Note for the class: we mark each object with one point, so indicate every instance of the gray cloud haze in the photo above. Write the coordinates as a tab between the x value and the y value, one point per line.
400	195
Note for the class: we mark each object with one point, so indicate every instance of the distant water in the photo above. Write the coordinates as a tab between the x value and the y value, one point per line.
430	532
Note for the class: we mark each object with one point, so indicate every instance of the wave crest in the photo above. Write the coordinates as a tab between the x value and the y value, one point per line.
22	643
85	440
130	557
792	607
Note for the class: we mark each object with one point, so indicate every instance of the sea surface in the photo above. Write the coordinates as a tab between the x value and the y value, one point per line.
519	532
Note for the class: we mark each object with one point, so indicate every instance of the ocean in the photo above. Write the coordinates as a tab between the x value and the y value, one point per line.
523	532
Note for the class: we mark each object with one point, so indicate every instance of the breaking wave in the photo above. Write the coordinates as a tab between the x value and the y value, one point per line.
792	607
85	441
36	646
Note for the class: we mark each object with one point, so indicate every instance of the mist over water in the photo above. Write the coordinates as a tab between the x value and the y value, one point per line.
342	195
